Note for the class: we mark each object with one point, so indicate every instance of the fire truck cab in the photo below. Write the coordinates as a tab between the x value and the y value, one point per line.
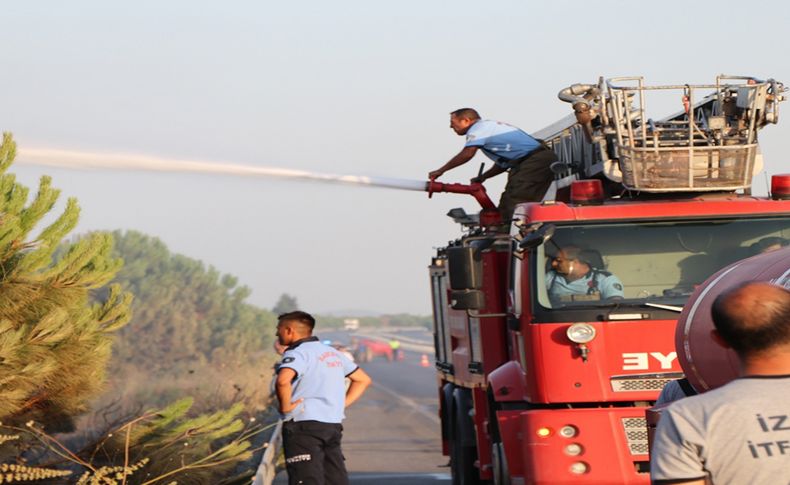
544	375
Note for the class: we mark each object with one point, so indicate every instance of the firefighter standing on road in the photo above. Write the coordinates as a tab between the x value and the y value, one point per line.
312	395
527	161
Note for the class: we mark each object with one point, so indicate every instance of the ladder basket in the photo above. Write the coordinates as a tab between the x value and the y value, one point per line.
669	169
696	149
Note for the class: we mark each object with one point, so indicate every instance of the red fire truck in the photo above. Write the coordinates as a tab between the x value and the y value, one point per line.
542	386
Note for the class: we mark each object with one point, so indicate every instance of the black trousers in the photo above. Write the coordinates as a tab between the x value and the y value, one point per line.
527	181
312	453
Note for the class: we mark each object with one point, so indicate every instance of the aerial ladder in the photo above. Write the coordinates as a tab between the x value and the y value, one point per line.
710	144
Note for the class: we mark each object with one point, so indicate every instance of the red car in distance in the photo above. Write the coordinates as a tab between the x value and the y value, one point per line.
367	349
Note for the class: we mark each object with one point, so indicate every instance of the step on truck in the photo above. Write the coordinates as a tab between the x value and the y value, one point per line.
539	384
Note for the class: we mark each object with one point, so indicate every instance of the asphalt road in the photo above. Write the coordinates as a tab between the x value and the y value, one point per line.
392	436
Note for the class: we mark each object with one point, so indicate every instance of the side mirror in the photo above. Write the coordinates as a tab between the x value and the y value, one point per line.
465	267
537	237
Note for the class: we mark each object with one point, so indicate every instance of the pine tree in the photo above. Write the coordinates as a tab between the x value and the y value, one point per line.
55	336
192	333
169	445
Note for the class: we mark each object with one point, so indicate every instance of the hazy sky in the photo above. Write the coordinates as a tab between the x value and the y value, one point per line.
357	87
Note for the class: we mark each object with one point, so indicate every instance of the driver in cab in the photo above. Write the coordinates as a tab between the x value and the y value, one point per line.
578	275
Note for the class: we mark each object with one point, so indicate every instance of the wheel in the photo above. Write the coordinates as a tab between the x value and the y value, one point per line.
499	462
462	464
500	469
462	458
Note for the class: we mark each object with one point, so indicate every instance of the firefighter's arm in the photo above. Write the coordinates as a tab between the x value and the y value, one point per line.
461	158
285	391
491	172
360	380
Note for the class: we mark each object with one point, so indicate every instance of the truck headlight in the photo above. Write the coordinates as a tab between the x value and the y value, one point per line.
580	333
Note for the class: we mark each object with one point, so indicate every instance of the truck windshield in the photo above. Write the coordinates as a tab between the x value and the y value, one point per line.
635	263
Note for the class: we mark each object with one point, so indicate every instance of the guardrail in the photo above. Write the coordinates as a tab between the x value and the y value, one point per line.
267	469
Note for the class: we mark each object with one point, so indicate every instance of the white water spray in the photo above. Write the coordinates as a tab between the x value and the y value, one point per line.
72	159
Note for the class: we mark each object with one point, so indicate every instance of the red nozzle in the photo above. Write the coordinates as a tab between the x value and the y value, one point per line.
475	190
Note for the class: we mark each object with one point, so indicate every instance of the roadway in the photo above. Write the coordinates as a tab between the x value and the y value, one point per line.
392	435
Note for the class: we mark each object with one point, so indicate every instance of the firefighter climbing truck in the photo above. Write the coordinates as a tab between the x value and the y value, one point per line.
540	386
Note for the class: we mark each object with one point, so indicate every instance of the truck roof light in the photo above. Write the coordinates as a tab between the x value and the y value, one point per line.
579	468
544	432
574	449
580	333
568	431
587	192
780	187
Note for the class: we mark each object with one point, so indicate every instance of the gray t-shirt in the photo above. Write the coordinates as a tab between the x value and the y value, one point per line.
737	434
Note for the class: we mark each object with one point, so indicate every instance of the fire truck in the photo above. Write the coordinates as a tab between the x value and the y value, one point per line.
538	386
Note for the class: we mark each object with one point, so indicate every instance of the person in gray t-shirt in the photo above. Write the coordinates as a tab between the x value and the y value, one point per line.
739	433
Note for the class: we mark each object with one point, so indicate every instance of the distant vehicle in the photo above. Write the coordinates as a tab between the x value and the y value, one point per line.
368	349
344	350
351	324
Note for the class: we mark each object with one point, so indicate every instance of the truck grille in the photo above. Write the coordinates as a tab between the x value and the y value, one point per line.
643	382
636	435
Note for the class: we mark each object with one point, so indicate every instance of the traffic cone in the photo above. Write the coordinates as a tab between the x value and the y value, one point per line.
424	361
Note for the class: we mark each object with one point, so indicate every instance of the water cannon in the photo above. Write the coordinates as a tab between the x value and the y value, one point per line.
476	190
489	215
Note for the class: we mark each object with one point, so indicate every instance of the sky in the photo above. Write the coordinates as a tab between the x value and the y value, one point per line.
349	87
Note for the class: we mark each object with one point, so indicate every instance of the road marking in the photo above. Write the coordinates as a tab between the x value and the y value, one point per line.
403	476
408	402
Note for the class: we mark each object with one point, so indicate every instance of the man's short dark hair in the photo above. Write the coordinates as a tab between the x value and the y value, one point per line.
298	316
753	317
590	257
467	113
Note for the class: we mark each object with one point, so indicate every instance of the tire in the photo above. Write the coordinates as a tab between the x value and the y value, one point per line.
462	458
500	469
499	462
462	464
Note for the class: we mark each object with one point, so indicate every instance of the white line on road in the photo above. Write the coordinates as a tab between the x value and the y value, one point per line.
408	402
401	476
